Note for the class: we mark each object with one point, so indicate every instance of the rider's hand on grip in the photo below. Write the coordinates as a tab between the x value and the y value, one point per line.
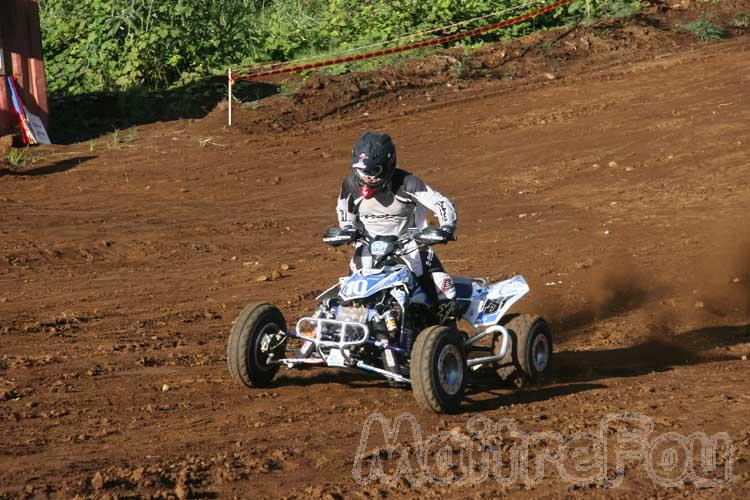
431	236
449	232
338	236
351	231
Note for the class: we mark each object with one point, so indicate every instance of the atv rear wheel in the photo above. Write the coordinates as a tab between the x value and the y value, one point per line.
438	369
530	351
254	338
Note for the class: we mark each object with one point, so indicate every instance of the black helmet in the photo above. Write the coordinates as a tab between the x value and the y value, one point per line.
374	159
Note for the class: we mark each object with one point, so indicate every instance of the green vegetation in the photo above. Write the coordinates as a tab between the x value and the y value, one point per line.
590	10
115	45
706	28
115	142
121	45
18	157
741	20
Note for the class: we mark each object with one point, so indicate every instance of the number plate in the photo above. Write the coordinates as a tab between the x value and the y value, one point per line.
335	358
389	359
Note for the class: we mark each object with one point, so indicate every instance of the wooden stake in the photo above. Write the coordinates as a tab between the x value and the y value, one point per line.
229	80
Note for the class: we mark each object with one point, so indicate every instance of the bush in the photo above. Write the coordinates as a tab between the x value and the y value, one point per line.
108	45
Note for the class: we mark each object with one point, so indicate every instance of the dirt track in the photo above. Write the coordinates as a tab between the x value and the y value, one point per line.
619	189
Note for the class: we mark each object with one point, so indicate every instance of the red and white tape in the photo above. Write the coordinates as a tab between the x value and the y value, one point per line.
293	68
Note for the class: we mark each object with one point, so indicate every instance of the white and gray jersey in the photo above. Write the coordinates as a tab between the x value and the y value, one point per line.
393	209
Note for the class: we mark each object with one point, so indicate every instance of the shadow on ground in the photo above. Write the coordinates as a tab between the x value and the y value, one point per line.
83	117
654	355
578	371
54	168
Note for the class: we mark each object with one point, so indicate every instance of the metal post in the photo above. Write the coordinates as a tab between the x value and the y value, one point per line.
229	79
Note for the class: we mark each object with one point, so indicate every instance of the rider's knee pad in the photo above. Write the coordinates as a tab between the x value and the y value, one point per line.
444	285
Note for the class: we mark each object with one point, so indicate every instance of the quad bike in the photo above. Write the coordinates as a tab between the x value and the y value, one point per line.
380	320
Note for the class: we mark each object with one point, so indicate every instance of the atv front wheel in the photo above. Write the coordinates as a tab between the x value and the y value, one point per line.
527	361
253	340
438	369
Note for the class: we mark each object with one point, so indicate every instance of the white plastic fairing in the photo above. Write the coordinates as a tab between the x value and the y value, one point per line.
489	304
511	287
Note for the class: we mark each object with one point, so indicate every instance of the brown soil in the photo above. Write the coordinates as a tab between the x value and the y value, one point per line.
608	165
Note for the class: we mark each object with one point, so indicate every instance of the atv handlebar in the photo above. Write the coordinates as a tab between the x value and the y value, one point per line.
427	236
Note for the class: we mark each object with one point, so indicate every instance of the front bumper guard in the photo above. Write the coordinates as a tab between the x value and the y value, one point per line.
347	330
330	352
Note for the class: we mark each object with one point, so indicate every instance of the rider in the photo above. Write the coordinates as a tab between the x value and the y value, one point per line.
380	199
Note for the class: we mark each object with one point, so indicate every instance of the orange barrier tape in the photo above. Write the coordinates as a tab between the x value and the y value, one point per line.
409	46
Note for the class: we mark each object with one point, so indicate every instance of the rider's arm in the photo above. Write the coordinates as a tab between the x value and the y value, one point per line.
346	210
433	201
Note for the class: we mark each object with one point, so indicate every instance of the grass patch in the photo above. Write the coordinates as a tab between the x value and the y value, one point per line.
705	28
17	157
132	135
115	142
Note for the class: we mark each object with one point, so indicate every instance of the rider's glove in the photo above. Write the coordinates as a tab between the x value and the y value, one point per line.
340	235
350	231
449	232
